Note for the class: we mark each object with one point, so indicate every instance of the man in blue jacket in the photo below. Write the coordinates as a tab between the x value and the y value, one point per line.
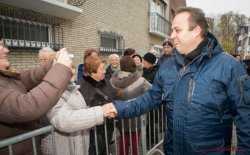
204	88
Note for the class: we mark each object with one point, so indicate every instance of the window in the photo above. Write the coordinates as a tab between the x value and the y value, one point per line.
111	42
23	30
159	7
159	25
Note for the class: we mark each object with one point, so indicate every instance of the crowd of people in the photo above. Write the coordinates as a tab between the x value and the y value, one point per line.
203	89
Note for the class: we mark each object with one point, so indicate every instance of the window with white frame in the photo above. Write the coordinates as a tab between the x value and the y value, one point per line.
158	6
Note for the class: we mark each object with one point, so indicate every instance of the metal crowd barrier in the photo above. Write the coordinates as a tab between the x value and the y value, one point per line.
150	128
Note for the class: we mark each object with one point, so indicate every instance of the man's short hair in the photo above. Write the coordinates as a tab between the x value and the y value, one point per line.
167	43
197	17
129	52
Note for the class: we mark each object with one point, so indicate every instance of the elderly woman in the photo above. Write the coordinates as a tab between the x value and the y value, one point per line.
45	55
114	65
97	91
71	117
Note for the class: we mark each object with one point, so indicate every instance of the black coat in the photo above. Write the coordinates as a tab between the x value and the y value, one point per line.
149	73
98	93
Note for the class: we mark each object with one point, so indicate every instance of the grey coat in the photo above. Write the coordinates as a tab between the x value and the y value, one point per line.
131	85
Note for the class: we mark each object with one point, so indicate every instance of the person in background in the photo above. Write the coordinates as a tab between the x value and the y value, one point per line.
131	85
80	68
27	95
205	90
96	91
45	55
149	67
167	51
138	62
129	52
113	66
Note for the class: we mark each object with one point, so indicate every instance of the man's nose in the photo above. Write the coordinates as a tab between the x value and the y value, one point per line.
172	35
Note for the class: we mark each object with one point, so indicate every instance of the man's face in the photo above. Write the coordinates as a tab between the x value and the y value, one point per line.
4	62
167	49
183	38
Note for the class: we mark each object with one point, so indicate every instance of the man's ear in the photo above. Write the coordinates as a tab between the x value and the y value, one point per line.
197	31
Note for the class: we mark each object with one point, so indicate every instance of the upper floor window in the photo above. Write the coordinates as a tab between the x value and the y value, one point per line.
159	7
12	28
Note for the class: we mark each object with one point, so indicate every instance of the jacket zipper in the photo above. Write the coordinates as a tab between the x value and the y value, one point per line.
191	86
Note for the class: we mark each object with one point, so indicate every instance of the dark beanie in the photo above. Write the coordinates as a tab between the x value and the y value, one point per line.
127	64
149	57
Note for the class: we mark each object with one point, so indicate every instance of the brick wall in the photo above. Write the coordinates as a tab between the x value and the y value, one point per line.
23	59
129	19
126	18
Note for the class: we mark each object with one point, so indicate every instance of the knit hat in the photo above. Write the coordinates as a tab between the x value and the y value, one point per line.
149	57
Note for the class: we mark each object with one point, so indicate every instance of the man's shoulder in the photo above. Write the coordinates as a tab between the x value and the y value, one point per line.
228	60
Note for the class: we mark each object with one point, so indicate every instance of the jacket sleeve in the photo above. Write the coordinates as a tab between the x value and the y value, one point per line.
67	119
16	106
31	78
238	91
142	104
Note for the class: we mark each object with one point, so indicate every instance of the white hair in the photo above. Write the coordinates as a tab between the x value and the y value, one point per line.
46	49
111	56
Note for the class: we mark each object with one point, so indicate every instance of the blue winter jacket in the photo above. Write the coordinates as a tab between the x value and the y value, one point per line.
201	100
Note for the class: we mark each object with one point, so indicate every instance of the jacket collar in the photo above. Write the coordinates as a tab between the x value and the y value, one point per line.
93	82
207	50
122	79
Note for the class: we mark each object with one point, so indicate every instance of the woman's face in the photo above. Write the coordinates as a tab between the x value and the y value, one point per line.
100	74
137	61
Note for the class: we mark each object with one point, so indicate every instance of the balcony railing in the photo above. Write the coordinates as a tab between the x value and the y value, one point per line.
159	25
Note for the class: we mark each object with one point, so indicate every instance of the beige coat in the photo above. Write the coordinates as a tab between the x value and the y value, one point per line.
72	118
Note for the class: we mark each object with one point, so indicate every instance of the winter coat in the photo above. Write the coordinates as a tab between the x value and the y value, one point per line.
27	96
149	73
201	98
98	93
110	71
131	85
72	118
80	72
162	59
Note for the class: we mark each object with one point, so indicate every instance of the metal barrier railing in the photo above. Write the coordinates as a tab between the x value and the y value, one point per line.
144	134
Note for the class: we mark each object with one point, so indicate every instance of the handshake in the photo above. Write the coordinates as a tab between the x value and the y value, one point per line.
109	110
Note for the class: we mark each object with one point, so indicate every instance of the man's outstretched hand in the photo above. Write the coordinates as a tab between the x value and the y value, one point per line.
109	110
